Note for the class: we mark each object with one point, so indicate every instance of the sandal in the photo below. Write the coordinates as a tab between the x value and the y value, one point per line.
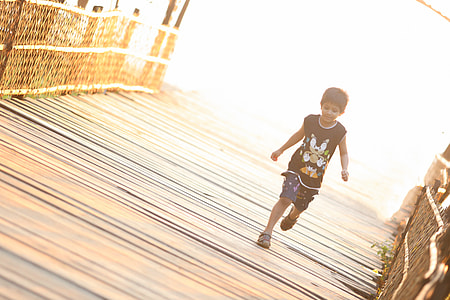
287	223
264	240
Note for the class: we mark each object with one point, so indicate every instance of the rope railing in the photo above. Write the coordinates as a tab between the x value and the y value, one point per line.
50	48
436	270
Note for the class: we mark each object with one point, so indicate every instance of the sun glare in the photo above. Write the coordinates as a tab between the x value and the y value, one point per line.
275	59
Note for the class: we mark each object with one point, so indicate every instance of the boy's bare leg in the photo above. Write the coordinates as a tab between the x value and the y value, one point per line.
277	212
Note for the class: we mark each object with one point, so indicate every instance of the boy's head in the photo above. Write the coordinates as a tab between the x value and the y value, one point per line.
335	96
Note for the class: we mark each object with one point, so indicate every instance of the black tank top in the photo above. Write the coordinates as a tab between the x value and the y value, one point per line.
311	160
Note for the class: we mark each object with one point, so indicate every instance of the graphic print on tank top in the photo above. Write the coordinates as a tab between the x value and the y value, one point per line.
315	157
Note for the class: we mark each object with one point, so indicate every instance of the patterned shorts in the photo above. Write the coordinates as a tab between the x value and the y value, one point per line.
294	190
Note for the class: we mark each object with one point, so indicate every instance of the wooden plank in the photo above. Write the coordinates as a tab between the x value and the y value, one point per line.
138	198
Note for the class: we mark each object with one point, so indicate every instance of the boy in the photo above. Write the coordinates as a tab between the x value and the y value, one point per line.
303	179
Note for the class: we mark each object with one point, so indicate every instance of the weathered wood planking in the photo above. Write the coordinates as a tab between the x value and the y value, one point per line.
136	196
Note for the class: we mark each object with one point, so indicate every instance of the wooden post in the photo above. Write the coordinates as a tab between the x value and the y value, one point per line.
97	9
180	17
82	3
438	173
169	11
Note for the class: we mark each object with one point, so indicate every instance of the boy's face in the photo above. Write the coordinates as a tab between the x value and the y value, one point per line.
330	112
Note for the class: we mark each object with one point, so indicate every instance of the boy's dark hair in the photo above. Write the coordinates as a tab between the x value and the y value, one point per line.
335	96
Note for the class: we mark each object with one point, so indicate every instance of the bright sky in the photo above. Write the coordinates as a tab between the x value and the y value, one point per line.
275	59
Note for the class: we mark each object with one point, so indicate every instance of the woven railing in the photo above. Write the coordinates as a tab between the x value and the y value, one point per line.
420	268
50	48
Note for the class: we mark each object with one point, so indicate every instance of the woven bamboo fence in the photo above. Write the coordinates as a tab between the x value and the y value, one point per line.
51	48
420	268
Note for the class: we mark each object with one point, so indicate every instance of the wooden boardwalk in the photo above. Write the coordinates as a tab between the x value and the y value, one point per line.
137	196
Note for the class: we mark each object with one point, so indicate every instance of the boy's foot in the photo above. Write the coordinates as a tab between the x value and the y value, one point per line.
264	240
287	223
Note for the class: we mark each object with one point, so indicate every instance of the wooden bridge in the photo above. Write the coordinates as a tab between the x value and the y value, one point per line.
140	196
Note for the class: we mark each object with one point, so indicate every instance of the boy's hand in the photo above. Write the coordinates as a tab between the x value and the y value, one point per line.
276	154
344	175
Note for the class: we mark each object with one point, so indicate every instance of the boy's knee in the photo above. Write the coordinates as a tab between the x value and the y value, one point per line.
285	201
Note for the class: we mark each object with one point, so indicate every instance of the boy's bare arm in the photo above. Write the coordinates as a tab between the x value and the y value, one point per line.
294	139
344	158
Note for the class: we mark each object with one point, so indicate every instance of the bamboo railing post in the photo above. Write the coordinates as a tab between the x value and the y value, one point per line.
181	15
169	11
10	41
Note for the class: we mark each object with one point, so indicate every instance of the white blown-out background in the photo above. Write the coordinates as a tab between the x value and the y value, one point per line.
274	59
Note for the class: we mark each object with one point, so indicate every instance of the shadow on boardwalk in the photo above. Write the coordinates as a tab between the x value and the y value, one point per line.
137	196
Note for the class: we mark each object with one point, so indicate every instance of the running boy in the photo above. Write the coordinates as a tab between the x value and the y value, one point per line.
321	135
